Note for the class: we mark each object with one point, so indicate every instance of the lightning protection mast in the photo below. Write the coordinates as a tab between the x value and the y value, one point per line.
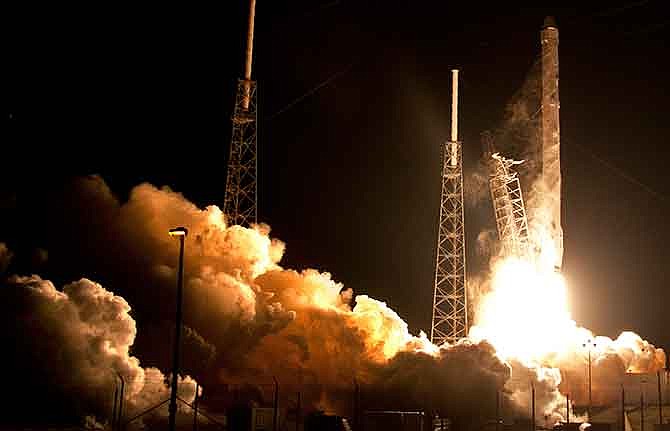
240	202
450	304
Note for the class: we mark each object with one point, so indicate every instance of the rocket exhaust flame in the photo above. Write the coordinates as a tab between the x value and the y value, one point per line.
525	316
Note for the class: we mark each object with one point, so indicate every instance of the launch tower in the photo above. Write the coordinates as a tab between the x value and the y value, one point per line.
508	206
240	202
450	305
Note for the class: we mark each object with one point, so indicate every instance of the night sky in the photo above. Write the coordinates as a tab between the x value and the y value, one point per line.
350	170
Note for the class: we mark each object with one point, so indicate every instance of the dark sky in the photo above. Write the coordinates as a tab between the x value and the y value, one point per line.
349	174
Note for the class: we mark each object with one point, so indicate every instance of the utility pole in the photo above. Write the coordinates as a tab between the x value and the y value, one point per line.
275	406
195	407
590	398
532	420
498	409
660	396
641	411
116	396
119	420
357	404
589	344
298	411
623	408
180	233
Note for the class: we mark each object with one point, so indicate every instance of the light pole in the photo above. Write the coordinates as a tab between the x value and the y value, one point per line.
589	344
660	397
119	426
181	233
643	381
532	413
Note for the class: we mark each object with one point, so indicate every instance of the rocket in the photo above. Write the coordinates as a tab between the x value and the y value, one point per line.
551	136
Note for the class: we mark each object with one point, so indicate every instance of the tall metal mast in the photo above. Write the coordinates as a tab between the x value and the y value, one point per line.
240	203
551	135
450	304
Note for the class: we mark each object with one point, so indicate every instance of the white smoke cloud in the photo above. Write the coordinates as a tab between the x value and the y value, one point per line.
81	338
251	309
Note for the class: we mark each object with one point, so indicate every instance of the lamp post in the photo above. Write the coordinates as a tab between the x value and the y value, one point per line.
532	413
589	344
180	233
660	397
643	381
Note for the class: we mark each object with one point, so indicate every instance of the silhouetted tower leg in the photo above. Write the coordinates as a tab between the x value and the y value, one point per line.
450	305
240	203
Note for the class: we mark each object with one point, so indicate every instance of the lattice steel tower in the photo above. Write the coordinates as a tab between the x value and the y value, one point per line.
508	206
240	203
450	303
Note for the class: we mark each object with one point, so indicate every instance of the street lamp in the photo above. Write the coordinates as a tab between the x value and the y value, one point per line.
179	232
589	344
643	381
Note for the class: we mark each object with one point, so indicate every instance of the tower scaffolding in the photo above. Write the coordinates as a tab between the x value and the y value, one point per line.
508	206
450	304
240	202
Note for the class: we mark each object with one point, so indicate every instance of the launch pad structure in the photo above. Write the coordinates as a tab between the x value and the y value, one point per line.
508	207
450	301
241	197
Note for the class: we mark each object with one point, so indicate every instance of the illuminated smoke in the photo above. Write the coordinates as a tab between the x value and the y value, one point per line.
524	314
244	303
304	327
74	342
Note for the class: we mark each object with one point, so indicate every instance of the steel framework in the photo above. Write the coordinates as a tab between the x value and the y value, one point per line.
240	204
508	207
450	304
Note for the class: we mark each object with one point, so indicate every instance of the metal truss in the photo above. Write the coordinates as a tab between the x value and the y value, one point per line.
240	204
450	303
508	206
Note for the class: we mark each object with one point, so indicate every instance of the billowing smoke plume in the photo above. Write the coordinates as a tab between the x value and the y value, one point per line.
258	320
523	312
459	382
520	304
249	308
70	347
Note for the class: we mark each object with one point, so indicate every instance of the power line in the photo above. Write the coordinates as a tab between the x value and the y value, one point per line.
299	99
623	174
